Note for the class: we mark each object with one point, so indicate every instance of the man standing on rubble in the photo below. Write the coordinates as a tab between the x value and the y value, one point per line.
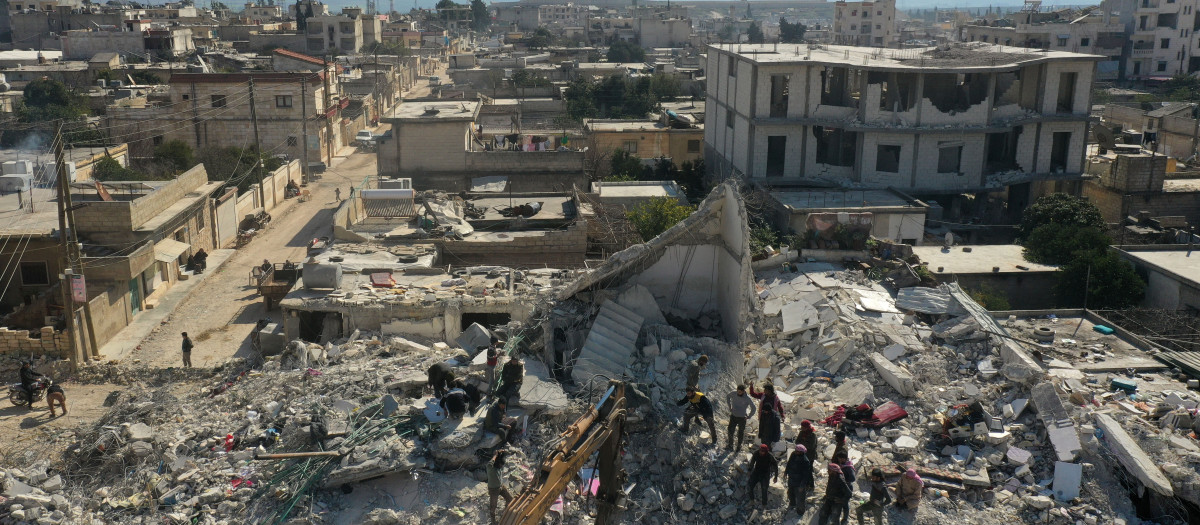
837	493
741	408
763	466
697	406
187	350
496	488
808	438
440	378
493	359
770	414
879	498
693	371
799	473
497	421
511	376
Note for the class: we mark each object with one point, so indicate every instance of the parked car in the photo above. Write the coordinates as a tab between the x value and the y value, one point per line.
365	138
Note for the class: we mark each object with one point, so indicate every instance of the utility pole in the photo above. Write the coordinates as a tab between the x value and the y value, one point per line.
196	115
262	192
70	254
304	123
378	95
328	112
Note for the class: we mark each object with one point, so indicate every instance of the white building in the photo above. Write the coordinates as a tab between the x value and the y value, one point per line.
1096	33
968	118
339	32
1163	43
865	23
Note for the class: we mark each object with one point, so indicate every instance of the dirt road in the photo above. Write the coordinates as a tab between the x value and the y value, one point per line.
220	313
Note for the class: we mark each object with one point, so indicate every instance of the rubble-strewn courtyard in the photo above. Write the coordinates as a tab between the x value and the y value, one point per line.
1028	417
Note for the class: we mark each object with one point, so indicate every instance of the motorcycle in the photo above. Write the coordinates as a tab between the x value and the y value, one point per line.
19	396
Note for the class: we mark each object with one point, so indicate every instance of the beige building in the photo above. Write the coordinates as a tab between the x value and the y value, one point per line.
259	12
213	110
1097	33
341	33
926	121
865	23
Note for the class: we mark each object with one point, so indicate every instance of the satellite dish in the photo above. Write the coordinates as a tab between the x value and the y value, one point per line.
1106	138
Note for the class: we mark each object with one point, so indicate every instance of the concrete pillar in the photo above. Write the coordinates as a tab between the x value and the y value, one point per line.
453	319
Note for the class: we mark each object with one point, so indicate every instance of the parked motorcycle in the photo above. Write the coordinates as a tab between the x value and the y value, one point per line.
19	396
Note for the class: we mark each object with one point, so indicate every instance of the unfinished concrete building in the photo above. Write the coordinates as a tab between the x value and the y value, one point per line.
949	120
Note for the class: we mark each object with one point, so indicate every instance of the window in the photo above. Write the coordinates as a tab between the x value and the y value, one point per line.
853	27
1062	42
1162	65
200	221
776	155
877	26
1165	43
186	97
887	158
157	140
880	13
630	146
693	146
291	141
732	66
218	101
283	101
729	118
34	274
949	157
1084	42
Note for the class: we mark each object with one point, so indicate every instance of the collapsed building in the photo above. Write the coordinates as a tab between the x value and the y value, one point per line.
961	118
1048	417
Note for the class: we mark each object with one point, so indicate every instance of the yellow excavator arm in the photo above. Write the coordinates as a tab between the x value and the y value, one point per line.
601	429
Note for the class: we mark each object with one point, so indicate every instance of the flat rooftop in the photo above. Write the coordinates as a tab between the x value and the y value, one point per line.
816	200
980	259
966	56
434	110
641	188
614	125
18	220
1182	263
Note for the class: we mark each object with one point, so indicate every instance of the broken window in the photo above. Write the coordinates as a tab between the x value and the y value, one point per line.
835	146
887	158
949	157
956	92
732	66
1164	43
779	95
898	90
839	87
1008	89
1168	20
1066	92
729	118
1059	147
776	155
1001	154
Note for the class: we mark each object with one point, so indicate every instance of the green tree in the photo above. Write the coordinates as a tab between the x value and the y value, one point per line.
657	215
175	153
1113	282
480	17
109	170
791	33
691	179
47	99
236	166
727	33
623	52
145	78
624	166
1061	209
989	298
1061	243
540	39
754	34
581	99
761	237
664	87
1182	87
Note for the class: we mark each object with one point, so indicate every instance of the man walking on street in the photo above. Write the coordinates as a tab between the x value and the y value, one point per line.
187	350
496	488
337	194
763	466
799	473
741	408
697	406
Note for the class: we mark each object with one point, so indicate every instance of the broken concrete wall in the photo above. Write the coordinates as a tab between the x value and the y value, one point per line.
716	237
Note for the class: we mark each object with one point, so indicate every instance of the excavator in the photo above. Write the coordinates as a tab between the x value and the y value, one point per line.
601	429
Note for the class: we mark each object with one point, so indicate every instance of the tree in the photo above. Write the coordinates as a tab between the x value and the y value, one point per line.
1182	88
175	153
145	78
664	87
791	33
624	166
302	17
109	170
581	99
622	52
657	215
540	39
46	99
754	34
691	179
1061	209
727	33
1061	243
236	166
1113	282
480	17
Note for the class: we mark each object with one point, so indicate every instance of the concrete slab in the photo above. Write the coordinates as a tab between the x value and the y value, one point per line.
474	337
798	316
639	300
1067	479
1132	457
853	392
898	378
540	393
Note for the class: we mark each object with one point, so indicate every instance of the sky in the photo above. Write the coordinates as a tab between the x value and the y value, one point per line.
404	6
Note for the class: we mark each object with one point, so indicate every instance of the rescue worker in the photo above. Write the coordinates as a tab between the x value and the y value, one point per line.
693	370
763	466
697	406
496	488
441	375
741	408
512	374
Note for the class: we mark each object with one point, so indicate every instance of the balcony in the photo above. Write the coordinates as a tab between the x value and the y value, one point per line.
1148	4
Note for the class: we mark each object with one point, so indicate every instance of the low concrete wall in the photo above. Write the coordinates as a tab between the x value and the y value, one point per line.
833	255
51	343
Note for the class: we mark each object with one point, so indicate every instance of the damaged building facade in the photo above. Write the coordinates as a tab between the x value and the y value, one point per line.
947	120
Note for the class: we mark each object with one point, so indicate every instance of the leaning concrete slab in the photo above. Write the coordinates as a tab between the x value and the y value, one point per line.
1132	457
1057	421
899	379
1067	478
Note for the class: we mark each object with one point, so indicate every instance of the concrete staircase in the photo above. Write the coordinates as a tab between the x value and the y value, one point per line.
610	343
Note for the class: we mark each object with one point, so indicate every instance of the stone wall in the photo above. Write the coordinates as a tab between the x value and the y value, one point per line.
51	343
1158	204
553	249
126	216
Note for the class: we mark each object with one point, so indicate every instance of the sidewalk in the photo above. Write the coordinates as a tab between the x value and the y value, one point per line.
122	344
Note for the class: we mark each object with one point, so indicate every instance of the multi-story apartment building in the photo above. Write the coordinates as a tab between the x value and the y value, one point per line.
1163	43
262	12
1096	33
562	15
967	118
865	23
342	33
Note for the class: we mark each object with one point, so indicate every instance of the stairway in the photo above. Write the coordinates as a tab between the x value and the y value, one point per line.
609	345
